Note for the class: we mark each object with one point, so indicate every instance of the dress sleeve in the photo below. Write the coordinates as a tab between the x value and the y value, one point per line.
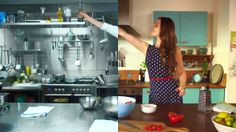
111	29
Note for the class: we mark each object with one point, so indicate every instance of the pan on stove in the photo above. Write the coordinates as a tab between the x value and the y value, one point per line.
216	74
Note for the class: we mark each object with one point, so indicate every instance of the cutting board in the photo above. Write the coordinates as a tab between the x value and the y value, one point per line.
123	127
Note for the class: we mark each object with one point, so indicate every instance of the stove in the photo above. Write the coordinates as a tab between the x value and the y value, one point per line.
69	90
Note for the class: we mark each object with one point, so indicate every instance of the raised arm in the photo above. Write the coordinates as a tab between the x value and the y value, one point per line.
92	20
111	29
136	42
180	73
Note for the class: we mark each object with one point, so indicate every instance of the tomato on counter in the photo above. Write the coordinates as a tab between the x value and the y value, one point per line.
153	127
175	118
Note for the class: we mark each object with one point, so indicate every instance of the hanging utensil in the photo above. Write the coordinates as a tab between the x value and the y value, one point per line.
60	50
77	61
91	55
105	38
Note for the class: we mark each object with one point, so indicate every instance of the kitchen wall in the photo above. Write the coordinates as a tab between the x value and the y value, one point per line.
50	56
141	20
230	97
221	21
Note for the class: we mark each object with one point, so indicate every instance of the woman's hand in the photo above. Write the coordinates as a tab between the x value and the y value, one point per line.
181	91
84	15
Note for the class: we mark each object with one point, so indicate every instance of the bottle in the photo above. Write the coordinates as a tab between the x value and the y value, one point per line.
80	9
140	75
107	71
59	14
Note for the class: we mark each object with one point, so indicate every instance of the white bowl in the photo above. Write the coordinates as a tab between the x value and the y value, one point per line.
148	108
222	128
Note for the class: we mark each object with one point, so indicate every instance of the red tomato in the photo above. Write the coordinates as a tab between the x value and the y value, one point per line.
128	102
180	117
154	127
170	114
174	119
148	128
159	127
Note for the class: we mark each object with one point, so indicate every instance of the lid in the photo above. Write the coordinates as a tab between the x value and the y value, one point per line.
216	74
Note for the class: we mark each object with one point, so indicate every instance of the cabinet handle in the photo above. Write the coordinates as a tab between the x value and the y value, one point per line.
184	42
148	91
133	91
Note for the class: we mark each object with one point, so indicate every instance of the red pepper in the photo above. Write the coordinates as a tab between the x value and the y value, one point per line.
170	114
174	119
180	117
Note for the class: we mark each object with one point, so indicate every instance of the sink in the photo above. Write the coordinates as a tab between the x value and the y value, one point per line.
111	79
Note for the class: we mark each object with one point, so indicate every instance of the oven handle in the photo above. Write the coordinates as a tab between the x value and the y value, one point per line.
57	94
78	95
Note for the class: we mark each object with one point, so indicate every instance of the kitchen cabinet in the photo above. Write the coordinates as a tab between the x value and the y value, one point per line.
192	95
191	27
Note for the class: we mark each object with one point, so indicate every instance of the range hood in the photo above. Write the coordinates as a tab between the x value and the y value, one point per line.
124	18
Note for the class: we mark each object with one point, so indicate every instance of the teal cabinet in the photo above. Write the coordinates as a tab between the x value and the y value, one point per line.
192	95
191	27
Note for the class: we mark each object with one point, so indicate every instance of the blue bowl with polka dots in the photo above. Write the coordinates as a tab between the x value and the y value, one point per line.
125	105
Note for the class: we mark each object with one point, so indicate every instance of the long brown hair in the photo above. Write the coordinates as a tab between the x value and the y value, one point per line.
168	43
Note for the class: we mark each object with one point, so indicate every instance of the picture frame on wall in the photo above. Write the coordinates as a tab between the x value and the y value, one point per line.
233	39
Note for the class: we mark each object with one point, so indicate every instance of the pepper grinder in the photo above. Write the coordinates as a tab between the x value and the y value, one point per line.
204	104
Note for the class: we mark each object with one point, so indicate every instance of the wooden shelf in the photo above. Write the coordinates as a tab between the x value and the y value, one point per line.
198	58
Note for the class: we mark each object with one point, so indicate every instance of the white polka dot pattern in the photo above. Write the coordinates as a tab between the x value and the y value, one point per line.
162	91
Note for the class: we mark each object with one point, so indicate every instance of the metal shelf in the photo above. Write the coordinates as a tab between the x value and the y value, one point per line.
30	52
45	24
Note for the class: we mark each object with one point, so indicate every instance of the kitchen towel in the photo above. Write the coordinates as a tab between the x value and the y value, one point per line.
224	107
38	111
104	126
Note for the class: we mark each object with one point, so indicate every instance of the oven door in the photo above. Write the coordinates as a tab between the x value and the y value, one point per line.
63	98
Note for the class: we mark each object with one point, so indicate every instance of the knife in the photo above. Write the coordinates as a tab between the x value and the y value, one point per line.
129	125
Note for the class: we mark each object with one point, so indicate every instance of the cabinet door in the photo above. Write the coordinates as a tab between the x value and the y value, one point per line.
194	29
217	95
192	95
123	91
145	95
175	16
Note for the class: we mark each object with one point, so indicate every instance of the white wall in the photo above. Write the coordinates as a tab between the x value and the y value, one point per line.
141	19
230	97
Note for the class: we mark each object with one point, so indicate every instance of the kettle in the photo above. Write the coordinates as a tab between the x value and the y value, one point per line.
204	104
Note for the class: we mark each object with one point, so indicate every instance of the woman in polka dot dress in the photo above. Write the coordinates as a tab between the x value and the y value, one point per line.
164	62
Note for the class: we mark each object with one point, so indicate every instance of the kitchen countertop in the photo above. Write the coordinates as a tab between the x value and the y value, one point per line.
63	118
193	120
147	85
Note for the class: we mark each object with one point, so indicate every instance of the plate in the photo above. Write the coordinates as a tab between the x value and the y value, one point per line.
216	74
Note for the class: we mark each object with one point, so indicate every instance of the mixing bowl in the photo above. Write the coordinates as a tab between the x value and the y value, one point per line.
109	104
90	102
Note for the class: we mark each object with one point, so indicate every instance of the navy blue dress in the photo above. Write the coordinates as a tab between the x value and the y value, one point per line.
163	85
